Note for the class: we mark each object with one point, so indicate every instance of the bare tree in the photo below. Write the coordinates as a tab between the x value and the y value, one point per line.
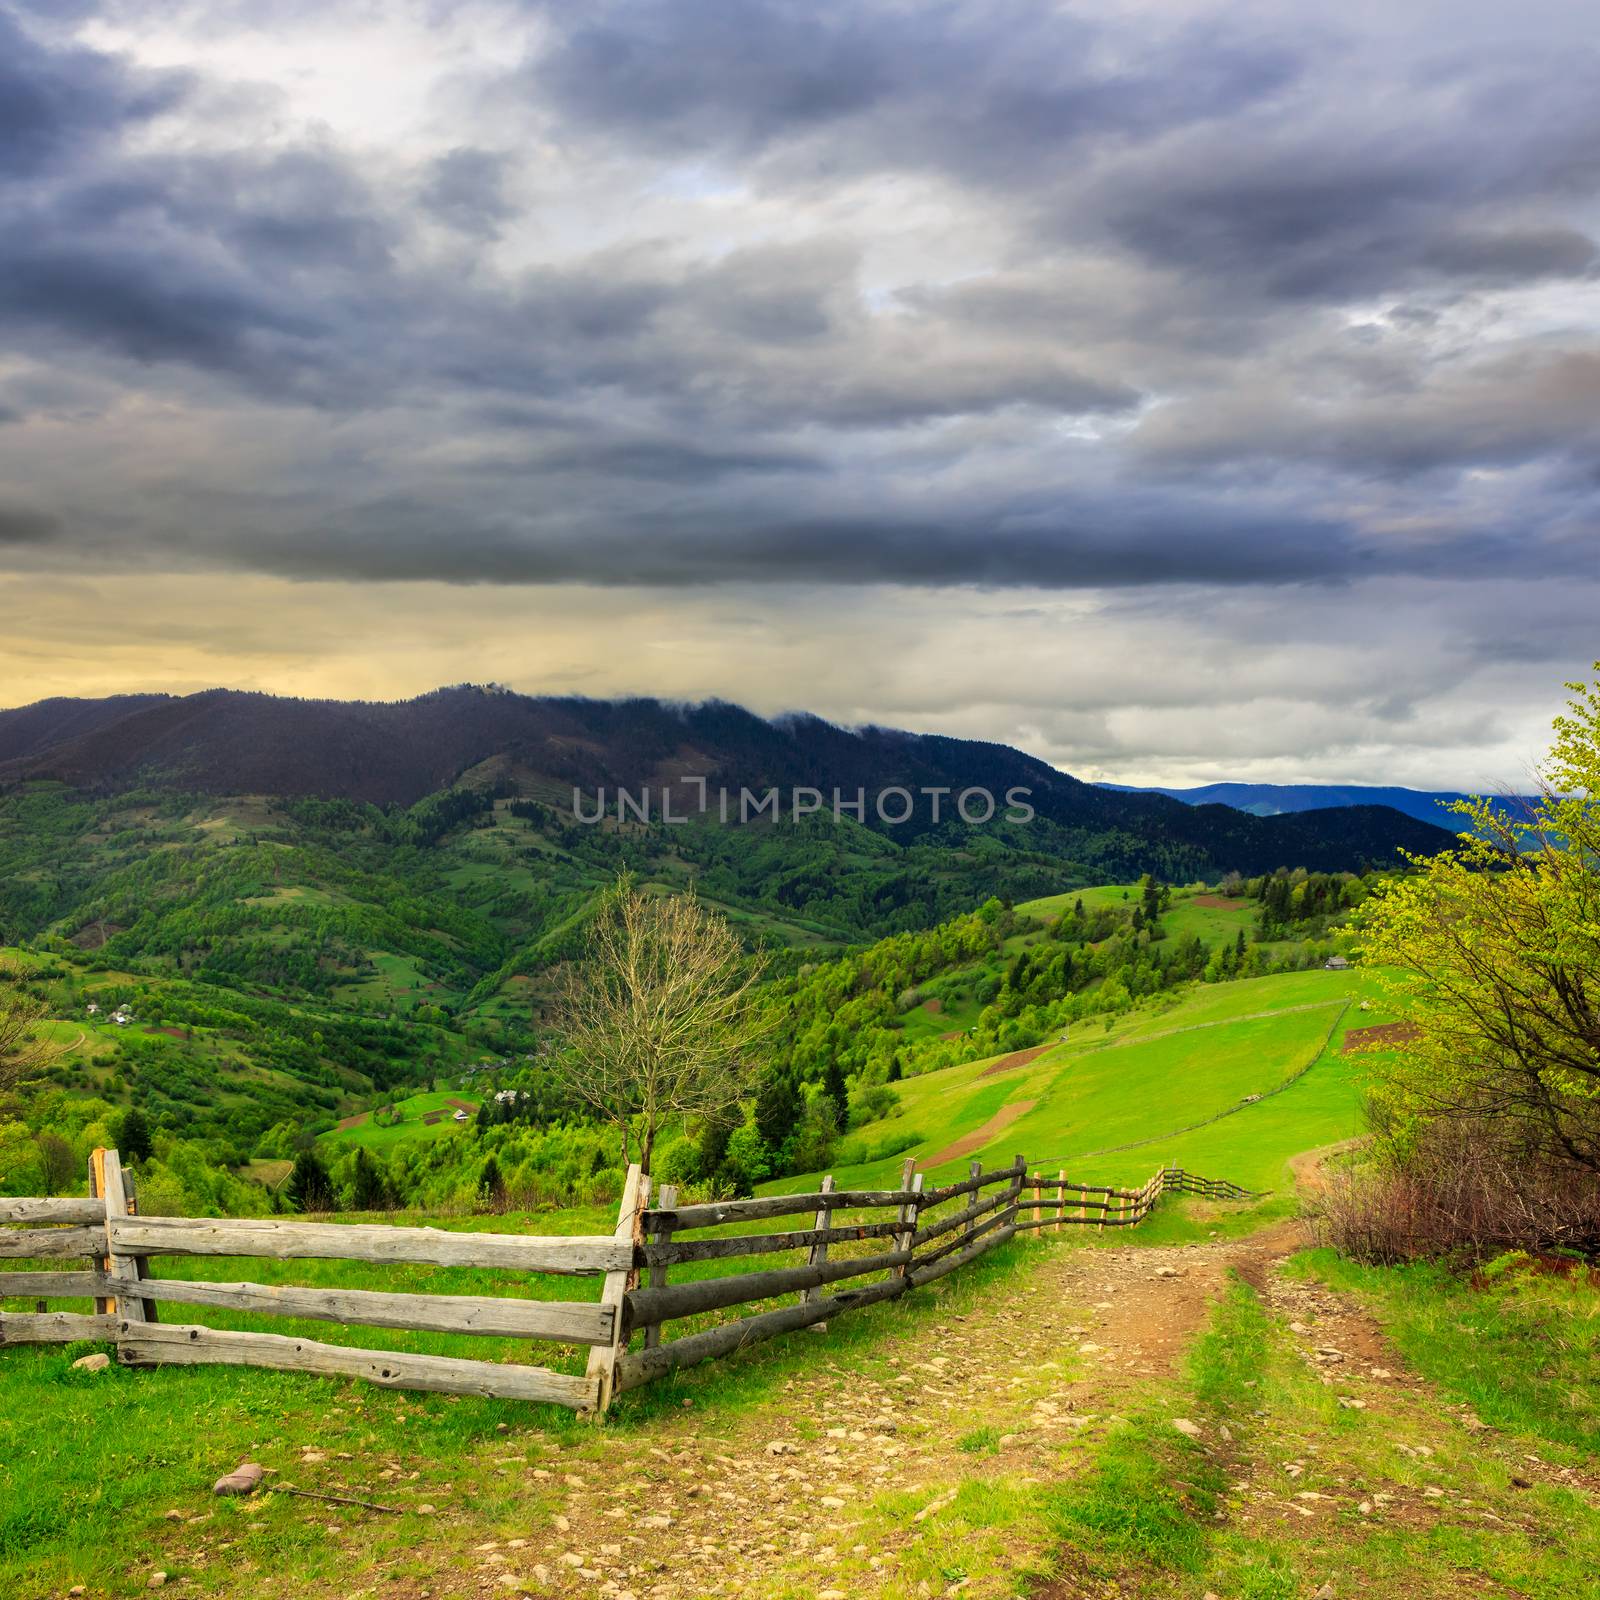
23	1054
659	1020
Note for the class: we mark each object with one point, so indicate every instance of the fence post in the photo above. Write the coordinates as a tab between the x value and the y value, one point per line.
1061	1195
106	1183
974	1170
658	1275
141	1264
818	1253
603	1358
1038	1194
909	1212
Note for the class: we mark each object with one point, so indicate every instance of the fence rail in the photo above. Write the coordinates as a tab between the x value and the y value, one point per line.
842	1260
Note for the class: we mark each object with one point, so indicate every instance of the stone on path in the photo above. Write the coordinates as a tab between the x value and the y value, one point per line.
95	1363
1186	1427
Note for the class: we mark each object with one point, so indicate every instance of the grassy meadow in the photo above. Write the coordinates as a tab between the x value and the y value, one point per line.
1177	1081
442	1104
465	1475
104	1477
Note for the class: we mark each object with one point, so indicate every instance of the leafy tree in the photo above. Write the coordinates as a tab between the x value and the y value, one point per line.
133	1137
659	1020
777	1110
57	1166
309	1186
491	1184
834	1090
368	1190
748	1160
714	1137
1499	943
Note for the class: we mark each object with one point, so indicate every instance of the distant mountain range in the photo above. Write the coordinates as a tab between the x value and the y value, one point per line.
394	754
1283	799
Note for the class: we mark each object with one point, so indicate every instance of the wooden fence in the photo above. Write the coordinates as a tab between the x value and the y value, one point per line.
894	1240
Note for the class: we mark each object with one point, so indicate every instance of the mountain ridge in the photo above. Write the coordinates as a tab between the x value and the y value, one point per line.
396	753
1287	799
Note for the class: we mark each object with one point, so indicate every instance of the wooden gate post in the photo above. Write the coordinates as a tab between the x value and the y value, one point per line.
106	1183
658	1275
818	1253
602	1366
1038	1194
974	1171
1061	1195
909	1179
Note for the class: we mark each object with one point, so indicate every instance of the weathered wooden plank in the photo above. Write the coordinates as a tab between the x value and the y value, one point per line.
285	1241
711	1294
757	1244
817	1254
959	1219
910	1179
1001	1197
150	1344
106	1176
47	1244
977	1180
715	1214
1000	1219
602	1370
141	1264
52	1285
658	1274
926	1274
568	1322
640	1367
53	1327
16	1210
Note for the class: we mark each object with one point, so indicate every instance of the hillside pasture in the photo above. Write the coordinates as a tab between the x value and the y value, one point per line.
415	1112
1219	1056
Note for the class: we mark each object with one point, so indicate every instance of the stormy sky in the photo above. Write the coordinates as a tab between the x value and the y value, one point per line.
1177	389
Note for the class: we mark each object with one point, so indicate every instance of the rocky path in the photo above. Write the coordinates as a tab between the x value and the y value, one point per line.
791	1500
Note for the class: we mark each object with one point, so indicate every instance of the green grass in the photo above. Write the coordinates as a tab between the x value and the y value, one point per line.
1166	1516
91	1463
1154	1073
1519	1345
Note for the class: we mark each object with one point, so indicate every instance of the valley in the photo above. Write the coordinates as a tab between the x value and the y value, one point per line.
291	1003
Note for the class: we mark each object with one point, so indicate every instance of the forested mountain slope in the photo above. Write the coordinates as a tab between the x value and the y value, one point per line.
222	742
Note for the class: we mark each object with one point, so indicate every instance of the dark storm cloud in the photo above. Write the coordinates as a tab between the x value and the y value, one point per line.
146	304
987	88
465	189
20	525
1307	218
55	104
990	294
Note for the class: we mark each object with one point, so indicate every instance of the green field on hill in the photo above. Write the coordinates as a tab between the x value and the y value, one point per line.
1258	1061
414	1112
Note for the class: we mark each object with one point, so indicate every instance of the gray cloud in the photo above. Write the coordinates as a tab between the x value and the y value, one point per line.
465	188
986	294
59	104
23	525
